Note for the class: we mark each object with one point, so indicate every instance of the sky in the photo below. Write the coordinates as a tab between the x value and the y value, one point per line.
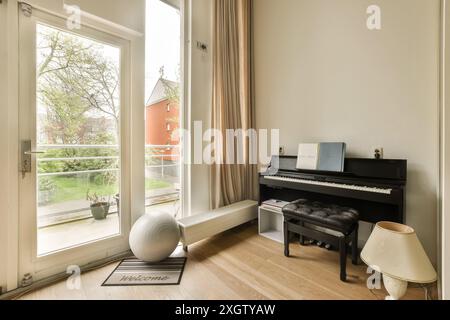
163	40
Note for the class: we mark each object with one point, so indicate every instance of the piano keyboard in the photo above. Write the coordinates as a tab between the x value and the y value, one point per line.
332	185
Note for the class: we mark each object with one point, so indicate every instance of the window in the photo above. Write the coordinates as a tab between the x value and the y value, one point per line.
163	117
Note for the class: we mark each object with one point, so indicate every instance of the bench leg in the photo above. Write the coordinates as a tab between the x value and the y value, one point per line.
302	238
355	251
343	258
286	239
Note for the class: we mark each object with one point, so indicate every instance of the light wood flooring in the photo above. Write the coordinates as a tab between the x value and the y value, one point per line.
240	264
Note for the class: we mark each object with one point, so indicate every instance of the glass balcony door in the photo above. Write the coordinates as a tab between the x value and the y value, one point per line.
73	194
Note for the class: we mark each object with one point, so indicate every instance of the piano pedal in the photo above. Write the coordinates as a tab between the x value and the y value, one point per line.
310	242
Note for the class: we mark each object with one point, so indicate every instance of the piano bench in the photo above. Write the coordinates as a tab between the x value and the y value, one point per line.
331	224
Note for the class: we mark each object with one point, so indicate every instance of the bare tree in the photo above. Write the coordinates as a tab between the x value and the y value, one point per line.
79	68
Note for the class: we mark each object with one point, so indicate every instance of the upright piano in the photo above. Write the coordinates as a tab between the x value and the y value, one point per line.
376	188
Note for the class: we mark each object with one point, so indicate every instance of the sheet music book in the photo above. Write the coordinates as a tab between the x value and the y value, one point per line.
332	157
322	157
276	205
308	156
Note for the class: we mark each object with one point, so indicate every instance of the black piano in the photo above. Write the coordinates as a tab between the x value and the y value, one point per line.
374	187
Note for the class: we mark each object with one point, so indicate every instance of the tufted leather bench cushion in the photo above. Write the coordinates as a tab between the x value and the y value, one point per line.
333	217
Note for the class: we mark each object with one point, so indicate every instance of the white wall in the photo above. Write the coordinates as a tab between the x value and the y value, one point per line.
321	75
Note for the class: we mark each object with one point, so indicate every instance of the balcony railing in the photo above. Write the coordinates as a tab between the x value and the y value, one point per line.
164	164
156	160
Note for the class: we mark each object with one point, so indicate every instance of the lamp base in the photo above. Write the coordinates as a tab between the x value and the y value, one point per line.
396	288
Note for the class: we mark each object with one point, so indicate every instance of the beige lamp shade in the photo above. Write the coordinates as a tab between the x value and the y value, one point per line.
395	250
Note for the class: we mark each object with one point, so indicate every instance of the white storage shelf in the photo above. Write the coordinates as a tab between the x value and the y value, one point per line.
271	224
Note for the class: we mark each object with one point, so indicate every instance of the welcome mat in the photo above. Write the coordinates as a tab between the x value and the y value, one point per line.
134	272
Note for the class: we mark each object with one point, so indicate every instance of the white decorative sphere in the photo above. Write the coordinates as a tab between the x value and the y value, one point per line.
154	237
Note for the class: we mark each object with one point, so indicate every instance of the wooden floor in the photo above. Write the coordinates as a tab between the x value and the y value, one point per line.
236	265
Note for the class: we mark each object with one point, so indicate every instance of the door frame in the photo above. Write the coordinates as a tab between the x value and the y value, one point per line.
9	212
185	109
48	265
444	221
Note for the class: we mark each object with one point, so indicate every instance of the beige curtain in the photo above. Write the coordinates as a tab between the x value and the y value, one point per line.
233	103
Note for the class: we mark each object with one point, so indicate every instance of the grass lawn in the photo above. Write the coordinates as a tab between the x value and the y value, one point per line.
152	184
71	188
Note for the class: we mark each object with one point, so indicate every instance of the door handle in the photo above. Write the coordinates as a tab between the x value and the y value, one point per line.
30	153
25	159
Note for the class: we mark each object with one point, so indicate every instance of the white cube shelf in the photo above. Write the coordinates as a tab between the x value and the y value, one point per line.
271	224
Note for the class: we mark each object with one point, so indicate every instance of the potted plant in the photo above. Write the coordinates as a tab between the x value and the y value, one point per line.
99	206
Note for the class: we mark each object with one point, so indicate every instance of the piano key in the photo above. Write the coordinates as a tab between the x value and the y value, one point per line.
332	185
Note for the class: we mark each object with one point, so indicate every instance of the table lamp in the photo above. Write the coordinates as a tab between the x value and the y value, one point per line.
395	251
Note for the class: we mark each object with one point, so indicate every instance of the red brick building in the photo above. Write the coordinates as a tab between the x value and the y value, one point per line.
163	119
